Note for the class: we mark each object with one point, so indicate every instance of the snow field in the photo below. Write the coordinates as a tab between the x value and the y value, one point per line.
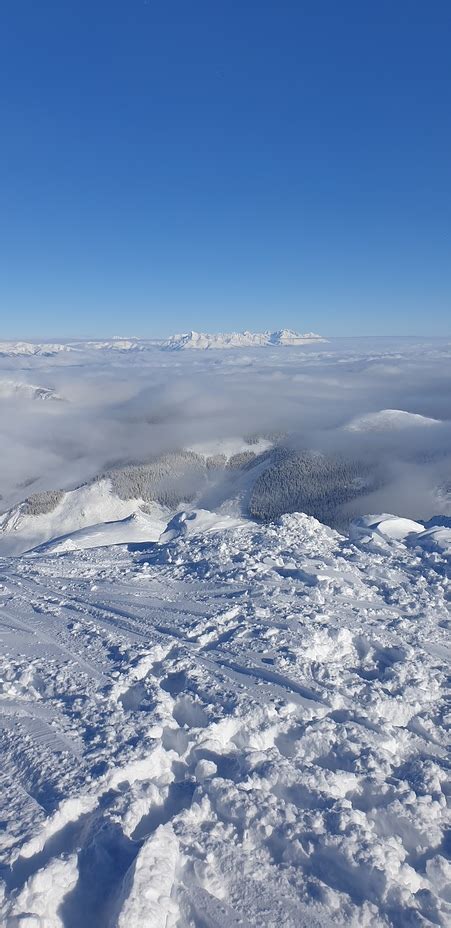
244	726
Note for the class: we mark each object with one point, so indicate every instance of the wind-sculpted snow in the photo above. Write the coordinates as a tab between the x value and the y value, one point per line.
236	727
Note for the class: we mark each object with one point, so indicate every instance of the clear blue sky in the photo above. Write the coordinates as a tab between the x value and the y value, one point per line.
218	164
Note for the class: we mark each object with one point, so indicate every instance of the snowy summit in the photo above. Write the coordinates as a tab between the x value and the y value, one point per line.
203	341
389	420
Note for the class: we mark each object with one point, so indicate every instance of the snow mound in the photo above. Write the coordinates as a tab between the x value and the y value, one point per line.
385	525
39	902
389	420
138	527
147	891
203	341
437	538
197	521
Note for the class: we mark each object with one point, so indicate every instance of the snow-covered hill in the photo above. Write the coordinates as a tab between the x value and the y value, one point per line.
245	726
203	341
234	477
389	420
158	487
49	515
140	526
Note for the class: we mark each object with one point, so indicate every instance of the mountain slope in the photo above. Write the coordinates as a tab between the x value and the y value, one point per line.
138	527
234	478
159	487
50	515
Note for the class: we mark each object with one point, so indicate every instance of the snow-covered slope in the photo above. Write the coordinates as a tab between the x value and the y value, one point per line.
389	419
160	487
385	525
237	727
48	516
139	526
436	538
203	341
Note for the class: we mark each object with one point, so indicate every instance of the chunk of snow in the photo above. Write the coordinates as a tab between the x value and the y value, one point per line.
387	525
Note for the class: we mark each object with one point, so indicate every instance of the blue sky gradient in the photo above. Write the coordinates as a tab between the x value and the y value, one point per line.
168	165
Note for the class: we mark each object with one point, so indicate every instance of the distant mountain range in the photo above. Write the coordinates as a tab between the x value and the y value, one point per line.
7	349
180	342
203	341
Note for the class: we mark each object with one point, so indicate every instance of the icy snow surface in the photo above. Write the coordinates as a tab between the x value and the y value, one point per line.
238	727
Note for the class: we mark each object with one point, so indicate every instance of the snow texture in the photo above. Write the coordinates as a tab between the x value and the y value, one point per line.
241	725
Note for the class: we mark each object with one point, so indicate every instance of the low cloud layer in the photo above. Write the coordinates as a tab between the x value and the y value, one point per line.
131	408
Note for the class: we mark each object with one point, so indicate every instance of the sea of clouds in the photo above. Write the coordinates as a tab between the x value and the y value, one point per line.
119	408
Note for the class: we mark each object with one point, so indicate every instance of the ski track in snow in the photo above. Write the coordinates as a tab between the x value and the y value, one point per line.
240	728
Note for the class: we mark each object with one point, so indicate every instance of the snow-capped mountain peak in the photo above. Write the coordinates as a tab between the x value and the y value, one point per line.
46	349
222	340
